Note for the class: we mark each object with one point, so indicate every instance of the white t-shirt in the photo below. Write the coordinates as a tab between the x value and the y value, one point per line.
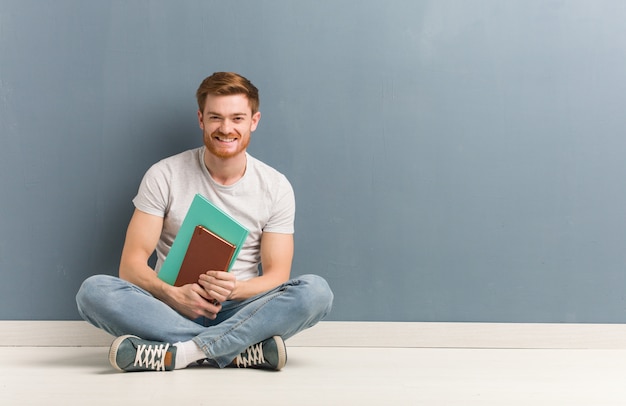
262	201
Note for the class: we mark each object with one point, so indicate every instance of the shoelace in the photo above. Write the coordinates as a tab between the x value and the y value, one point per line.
252	356
151	356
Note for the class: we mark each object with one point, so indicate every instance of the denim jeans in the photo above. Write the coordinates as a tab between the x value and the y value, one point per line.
119	308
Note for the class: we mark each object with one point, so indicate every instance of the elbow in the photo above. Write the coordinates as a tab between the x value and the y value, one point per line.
123	273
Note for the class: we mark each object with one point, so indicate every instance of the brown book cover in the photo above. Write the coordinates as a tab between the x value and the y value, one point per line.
206	252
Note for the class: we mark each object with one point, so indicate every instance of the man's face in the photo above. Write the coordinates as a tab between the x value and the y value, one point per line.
226	124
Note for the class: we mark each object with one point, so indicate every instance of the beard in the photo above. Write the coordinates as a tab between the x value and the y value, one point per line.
221	152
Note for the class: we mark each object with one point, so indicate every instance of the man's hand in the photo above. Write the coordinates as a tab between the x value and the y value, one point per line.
192	301
218	285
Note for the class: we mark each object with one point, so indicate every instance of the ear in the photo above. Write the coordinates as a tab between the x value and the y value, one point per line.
200	122
255	120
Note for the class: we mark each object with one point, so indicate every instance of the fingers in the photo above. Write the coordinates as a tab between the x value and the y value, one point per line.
211	308
218	285
196	302
216	292
220	275
202	292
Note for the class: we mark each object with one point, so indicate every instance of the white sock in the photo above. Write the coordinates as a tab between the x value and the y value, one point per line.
186	353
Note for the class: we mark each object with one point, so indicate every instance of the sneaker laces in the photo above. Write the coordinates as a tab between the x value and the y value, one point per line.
253	355
151	356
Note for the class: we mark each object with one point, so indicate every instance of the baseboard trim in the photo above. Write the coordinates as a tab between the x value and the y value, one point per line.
360	334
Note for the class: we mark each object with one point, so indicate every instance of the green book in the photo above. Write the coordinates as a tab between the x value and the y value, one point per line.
206	214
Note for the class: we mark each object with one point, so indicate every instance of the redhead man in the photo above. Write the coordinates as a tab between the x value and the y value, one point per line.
239	318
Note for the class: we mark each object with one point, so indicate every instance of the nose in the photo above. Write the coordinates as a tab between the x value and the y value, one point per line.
226	127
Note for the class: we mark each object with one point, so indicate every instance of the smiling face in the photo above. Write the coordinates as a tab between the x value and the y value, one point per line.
227	123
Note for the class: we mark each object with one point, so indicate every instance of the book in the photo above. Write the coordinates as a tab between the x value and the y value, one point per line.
206	251
202	212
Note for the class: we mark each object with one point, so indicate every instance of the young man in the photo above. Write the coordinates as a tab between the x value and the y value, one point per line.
238	318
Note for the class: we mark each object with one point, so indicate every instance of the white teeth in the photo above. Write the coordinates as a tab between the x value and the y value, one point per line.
226	139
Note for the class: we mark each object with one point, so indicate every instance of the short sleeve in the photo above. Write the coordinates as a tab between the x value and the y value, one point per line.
283	209
153	194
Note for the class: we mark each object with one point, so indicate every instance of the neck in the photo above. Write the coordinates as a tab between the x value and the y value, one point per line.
225	171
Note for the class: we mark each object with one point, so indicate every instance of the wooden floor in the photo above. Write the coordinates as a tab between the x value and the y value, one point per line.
325	376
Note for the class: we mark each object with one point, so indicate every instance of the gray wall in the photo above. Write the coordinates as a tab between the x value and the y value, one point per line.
453	160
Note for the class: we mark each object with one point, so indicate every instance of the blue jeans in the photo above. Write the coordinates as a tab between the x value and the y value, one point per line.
120	308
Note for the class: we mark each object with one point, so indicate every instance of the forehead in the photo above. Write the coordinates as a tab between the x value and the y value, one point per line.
228	105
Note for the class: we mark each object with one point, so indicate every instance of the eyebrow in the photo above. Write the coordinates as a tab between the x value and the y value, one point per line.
212	113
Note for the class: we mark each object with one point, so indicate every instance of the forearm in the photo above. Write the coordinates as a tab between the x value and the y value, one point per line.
141	239
276	257
246	289
189	300
142	275
142	236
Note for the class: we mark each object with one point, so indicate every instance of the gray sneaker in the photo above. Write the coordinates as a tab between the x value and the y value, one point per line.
131	354
268	354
